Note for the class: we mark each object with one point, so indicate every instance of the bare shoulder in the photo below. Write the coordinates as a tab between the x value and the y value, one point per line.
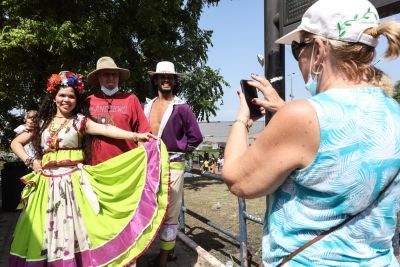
295	117
298	111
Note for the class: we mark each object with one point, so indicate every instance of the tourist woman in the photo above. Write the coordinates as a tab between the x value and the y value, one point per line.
329	163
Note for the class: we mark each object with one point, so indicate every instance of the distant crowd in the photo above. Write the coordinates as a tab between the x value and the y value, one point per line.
211	164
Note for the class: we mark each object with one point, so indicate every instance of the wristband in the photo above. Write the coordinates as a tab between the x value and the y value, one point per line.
29	162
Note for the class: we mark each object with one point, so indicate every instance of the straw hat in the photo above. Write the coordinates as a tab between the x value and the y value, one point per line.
164	67
107	63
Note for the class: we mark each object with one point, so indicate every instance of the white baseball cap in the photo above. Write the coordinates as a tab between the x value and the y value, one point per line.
343	20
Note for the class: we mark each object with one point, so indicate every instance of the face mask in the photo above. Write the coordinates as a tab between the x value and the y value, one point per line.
312	83
109	92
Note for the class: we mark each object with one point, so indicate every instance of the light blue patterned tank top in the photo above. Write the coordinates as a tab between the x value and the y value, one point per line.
359	154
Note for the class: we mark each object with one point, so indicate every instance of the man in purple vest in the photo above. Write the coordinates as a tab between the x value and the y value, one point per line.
172	120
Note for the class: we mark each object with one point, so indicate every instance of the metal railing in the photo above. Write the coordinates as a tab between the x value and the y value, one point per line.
241	238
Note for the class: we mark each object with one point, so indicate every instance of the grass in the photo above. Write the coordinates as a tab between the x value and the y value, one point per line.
213	200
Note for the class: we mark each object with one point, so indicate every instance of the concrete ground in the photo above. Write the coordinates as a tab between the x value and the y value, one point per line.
186	256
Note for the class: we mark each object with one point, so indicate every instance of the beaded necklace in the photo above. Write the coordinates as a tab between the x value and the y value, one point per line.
53	130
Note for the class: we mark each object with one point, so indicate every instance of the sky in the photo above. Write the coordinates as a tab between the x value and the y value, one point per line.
238	36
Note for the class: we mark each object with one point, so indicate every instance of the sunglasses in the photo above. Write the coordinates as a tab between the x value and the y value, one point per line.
297	48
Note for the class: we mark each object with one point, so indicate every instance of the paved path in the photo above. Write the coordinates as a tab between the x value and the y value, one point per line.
186	256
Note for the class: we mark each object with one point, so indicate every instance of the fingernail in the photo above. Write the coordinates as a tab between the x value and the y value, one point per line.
253	101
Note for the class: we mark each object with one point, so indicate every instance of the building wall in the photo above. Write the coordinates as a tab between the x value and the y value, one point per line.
218	131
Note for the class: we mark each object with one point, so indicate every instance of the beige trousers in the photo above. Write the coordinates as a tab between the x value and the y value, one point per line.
175	199
169	228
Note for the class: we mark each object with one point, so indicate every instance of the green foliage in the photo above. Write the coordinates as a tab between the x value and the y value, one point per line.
203	90
38	38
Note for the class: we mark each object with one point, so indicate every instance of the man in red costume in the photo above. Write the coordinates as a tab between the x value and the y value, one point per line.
109	105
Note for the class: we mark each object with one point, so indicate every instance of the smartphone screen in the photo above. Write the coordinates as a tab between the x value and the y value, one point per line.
250	92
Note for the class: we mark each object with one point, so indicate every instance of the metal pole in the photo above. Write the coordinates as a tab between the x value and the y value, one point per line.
244	255
291	86
395	239
214	225
182	215
274	53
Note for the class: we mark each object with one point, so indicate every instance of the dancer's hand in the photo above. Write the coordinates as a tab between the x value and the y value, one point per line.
143	137
37	166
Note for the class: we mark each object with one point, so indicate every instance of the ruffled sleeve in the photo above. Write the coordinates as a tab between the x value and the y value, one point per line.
82	119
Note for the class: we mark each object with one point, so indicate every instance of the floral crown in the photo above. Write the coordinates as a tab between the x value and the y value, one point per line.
65	79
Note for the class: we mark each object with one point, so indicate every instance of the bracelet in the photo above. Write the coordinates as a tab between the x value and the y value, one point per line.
135	137
29	162
243	122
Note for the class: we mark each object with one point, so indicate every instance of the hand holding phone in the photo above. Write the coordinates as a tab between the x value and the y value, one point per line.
250	92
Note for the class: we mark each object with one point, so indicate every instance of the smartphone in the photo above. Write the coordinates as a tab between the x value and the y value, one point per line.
250	92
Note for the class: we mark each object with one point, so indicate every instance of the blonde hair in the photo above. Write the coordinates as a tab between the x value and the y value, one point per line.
383	81
354	59
30	114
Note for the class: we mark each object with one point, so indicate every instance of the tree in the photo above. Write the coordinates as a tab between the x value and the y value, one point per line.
42	37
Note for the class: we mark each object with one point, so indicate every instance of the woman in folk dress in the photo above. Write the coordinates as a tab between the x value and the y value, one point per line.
80	215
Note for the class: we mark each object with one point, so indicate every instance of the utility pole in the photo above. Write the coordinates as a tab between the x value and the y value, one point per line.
274	53
291	86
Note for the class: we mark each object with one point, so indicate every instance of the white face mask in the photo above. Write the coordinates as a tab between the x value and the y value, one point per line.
109	92
312	83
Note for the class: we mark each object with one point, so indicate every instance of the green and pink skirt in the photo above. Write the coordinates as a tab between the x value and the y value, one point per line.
103	215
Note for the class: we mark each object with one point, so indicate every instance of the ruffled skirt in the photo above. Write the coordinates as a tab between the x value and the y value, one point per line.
103	215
